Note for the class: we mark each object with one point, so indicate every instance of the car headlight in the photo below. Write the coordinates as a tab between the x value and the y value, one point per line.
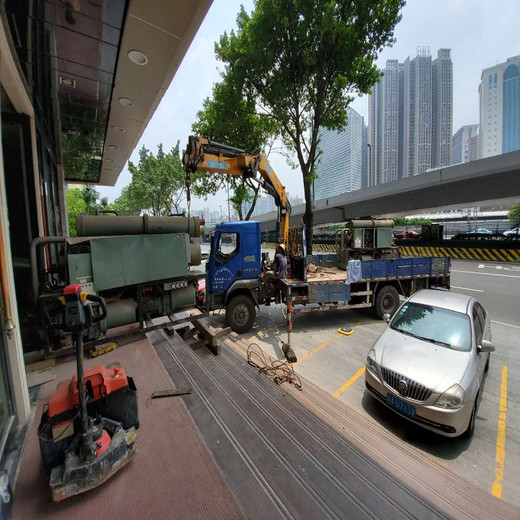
451	399
371	362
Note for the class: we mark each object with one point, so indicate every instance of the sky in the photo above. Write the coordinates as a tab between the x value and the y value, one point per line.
479	33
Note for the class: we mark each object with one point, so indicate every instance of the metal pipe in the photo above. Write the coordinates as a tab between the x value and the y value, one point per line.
8	325
34	260
100	225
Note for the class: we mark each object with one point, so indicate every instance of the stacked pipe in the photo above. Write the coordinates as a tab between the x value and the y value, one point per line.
104	225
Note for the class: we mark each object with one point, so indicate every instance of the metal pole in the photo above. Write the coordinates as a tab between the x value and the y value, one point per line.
369	146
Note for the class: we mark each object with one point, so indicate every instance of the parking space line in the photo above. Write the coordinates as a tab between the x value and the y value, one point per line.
352	380
496	490
265	331
317	349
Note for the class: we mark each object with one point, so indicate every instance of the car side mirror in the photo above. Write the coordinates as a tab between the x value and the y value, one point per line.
386	317
486	346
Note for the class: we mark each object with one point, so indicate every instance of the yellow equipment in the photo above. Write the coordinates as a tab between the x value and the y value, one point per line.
204	155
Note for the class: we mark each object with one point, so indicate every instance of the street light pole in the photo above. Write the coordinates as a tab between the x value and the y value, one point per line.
369	146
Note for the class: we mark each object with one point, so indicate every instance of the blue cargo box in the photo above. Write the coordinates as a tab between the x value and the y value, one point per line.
421	266
403	266
372	269
328	292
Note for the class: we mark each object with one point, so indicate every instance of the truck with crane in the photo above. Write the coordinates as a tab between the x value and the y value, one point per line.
140	265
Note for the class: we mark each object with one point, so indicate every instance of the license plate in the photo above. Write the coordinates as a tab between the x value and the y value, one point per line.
398	404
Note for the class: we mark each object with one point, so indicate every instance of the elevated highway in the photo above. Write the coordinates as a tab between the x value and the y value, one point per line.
470	184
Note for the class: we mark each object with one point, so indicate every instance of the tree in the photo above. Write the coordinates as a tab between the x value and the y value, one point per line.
158	183
90	195
231	119
302	62
75	204
514	213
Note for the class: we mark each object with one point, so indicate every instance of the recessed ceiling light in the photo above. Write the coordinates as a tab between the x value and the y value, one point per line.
126	102
113	147
118	129
137	57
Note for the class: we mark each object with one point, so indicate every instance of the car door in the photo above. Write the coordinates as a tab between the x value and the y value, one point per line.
479	320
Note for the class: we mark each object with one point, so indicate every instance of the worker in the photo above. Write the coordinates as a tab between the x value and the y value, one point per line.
280	262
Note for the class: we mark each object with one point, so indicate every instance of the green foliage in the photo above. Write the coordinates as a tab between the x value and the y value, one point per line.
405	221
514	213
230	118
90	195
75	204
157	184
302	62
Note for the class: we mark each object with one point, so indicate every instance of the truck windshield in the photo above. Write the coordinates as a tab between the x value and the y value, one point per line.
227	246
440	326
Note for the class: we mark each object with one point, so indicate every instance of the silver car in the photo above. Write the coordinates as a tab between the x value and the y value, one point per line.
429	362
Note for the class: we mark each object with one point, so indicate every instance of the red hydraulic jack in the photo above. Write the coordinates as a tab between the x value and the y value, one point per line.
84	445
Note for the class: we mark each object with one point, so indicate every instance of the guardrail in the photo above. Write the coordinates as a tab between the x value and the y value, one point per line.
489	251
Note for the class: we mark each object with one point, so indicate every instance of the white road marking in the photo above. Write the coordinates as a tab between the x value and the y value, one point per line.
505	324
466	289
486	274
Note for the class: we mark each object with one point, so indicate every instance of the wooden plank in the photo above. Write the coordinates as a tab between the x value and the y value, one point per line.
172	392
40	365
39	378
212	333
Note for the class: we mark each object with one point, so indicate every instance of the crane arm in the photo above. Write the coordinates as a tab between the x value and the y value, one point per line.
204	155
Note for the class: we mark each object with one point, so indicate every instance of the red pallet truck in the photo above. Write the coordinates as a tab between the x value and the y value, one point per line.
87	432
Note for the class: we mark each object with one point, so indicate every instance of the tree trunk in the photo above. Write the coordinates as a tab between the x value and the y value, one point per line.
308	216
253	204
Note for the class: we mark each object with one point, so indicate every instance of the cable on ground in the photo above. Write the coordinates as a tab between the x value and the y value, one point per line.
280	371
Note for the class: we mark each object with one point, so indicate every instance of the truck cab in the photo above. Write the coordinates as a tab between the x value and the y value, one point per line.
233	272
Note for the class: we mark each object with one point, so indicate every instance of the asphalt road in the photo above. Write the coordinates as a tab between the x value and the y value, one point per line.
491	459
495	285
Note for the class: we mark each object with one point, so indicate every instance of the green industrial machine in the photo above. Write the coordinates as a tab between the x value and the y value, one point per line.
365	240
139	265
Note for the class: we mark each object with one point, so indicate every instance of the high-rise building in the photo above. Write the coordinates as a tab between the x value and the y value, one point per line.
499	93
341	163
464	142
410	117
385	121
442	104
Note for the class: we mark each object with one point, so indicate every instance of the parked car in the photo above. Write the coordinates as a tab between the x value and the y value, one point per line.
201	292
429	363
407	234
510	232
484	231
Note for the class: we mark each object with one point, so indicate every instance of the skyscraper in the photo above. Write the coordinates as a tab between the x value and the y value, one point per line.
341	163
410	116
442	102
385	121
464	142
499	93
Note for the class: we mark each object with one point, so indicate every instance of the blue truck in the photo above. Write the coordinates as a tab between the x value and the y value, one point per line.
238	282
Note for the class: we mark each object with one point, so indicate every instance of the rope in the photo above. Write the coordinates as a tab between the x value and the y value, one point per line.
280	371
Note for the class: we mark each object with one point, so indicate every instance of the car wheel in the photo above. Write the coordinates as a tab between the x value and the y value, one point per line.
486	368
240	313
471	426
387	301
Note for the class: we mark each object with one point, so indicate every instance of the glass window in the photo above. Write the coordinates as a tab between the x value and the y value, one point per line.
227	246
440	326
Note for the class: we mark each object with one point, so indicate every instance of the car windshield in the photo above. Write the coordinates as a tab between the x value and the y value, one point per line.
440	326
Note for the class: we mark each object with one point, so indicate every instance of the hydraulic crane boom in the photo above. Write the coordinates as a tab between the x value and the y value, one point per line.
204	155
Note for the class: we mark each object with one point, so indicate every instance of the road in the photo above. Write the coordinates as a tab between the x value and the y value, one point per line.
491	459
496	285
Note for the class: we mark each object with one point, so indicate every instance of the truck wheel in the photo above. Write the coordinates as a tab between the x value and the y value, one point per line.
240	313
387	301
